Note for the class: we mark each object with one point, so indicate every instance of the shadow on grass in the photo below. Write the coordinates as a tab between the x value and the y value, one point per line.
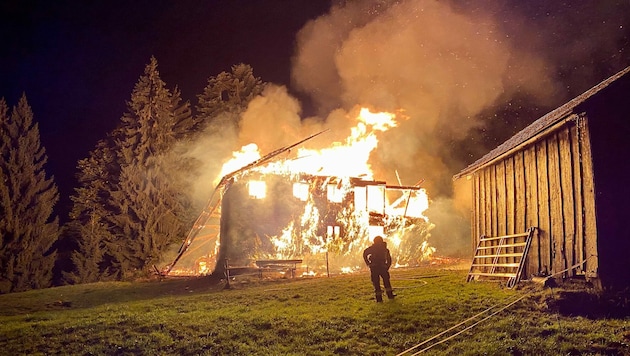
100	293
592	305
157	288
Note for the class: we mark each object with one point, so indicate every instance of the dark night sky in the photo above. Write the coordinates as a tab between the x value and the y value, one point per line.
77	61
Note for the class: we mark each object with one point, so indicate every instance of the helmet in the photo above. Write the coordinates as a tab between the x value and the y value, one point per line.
378	239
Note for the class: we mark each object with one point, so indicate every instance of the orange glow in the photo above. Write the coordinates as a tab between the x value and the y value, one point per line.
349	158
411	204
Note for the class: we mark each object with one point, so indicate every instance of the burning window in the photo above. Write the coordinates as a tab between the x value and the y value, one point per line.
333	232
300	191
257	189
376	198
360	198
334	193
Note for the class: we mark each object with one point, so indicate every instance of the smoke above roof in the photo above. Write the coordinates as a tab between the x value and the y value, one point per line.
447	64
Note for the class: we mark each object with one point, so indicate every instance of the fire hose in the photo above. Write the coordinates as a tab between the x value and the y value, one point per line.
472	318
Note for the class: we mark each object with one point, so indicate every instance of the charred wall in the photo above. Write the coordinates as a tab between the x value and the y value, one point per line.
246	222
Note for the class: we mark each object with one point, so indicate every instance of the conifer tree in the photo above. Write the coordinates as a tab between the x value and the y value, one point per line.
88	226
130	213
226	97
133	201
150	216
150	212
27	199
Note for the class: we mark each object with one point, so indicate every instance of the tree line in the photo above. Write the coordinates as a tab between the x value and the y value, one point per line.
132	200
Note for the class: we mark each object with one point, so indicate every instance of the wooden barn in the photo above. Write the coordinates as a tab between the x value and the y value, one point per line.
568	176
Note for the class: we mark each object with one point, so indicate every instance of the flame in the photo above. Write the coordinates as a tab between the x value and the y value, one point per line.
347	159
350	158
247	154
411	204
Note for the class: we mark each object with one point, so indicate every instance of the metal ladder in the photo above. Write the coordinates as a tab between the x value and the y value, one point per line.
501	257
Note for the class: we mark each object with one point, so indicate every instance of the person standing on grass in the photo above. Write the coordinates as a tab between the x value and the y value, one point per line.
378	258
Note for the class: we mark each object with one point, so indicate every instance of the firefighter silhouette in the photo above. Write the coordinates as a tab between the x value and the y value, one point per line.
378	258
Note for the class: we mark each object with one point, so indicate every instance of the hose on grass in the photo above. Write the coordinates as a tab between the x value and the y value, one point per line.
478	315
457	326
579	264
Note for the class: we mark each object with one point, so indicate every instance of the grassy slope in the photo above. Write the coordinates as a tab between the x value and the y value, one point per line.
302	317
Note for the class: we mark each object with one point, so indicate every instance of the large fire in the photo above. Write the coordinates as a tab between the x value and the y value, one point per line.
335	232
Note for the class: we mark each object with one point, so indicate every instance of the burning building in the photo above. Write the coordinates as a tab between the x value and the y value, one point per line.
298	209
564	175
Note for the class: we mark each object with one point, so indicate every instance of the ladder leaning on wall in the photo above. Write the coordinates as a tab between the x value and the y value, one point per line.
501	257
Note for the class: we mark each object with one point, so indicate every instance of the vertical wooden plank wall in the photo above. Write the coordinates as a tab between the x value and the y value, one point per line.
501	210
510	209
588	198
556	213
531	214
475	211
520	197
568	179
543	206
490	211
547	184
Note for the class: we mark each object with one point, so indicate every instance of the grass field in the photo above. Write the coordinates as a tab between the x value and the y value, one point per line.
314	316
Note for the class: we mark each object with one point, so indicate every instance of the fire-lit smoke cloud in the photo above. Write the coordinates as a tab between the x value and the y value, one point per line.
272	120
441	66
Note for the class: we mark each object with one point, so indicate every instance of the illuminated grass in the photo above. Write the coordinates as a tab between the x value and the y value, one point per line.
320	316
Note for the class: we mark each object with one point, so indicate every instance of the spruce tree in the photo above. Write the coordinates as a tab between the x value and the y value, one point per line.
27	199
129	214
226	97
88	226
150	212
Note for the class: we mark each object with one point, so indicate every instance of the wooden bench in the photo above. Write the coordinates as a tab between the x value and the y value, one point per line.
262	266
278	265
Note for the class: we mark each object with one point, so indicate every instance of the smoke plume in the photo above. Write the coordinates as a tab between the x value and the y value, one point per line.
444	67
441	66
